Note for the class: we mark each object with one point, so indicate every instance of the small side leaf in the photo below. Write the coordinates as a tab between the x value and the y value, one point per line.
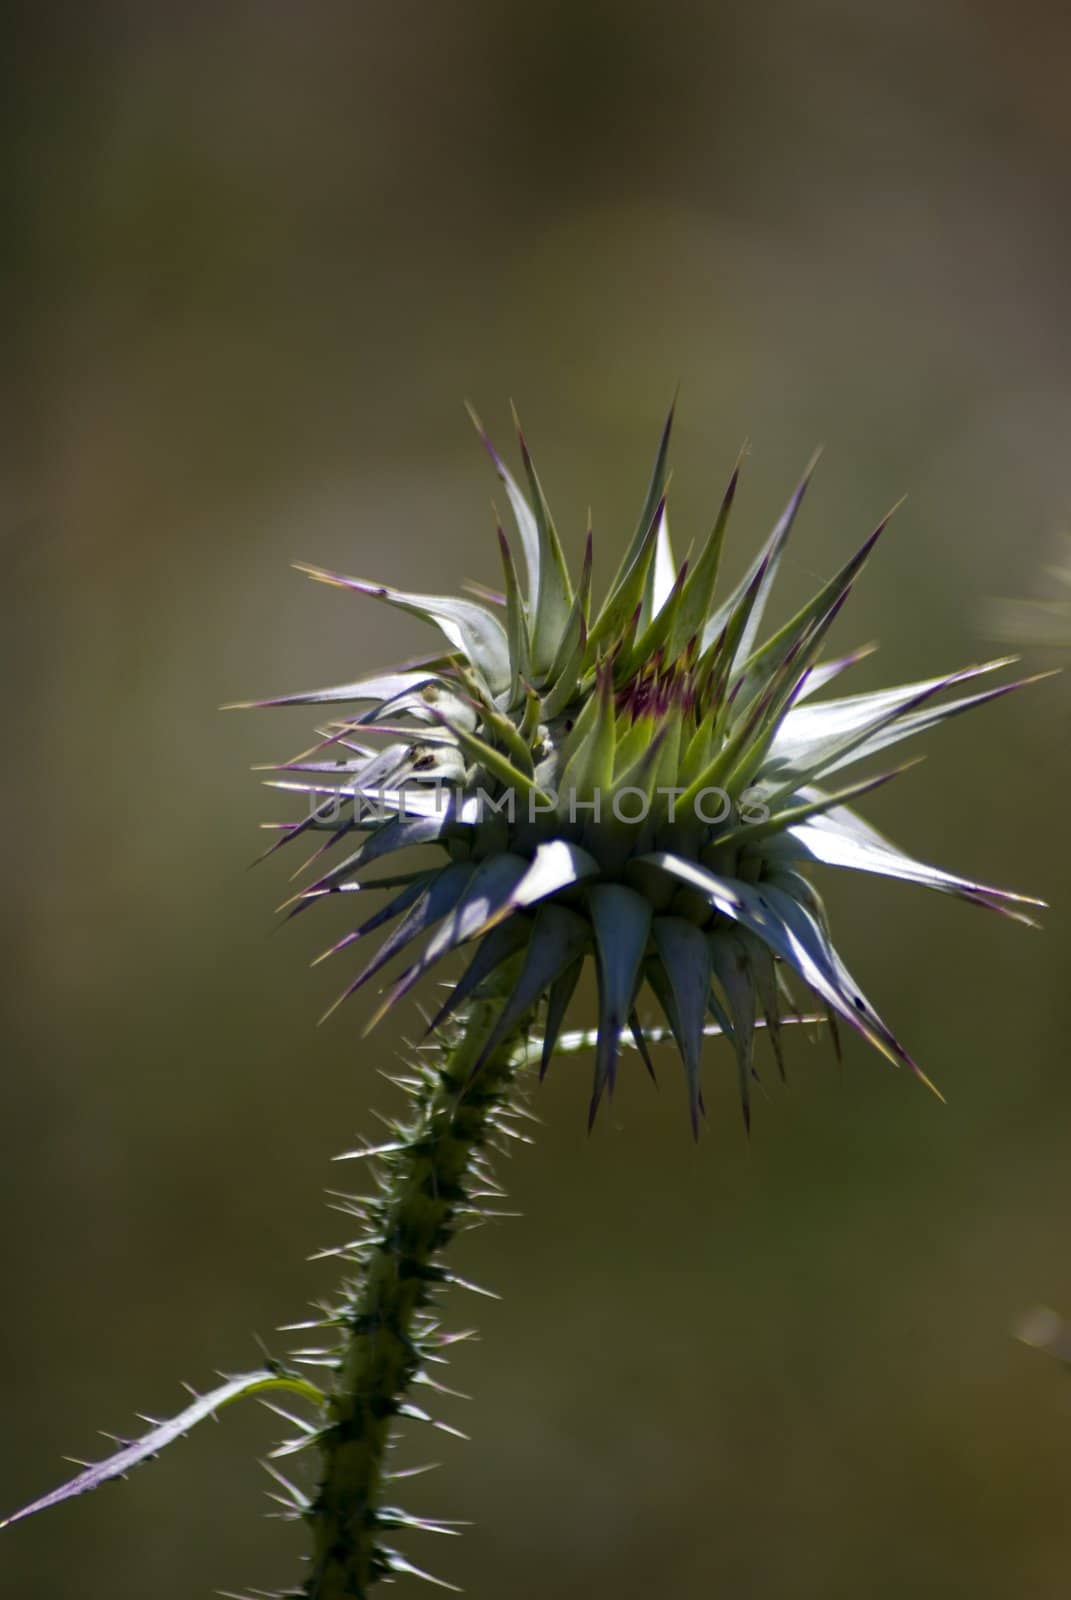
164	1433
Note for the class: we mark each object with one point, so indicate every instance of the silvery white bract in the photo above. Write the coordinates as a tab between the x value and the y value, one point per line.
640	783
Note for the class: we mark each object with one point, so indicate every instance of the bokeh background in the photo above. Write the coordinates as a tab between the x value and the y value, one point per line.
256	255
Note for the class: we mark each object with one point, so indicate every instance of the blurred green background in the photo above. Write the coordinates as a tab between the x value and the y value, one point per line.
256	256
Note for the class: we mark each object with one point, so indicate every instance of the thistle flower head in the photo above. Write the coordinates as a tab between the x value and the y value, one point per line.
640	782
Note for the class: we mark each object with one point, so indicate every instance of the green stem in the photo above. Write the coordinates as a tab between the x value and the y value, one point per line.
427	1185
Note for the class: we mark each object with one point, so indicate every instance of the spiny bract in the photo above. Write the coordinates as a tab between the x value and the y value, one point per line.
639	783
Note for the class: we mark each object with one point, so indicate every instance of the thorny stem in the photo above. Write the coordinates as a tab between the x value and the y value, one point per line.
387	1338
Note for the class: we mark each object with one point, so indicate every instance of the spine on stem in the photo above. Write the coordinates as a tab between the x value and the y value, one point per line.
432	1177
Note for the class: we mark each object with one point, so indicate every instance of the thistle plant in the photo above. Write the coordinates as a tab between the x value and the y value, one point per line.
639	786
